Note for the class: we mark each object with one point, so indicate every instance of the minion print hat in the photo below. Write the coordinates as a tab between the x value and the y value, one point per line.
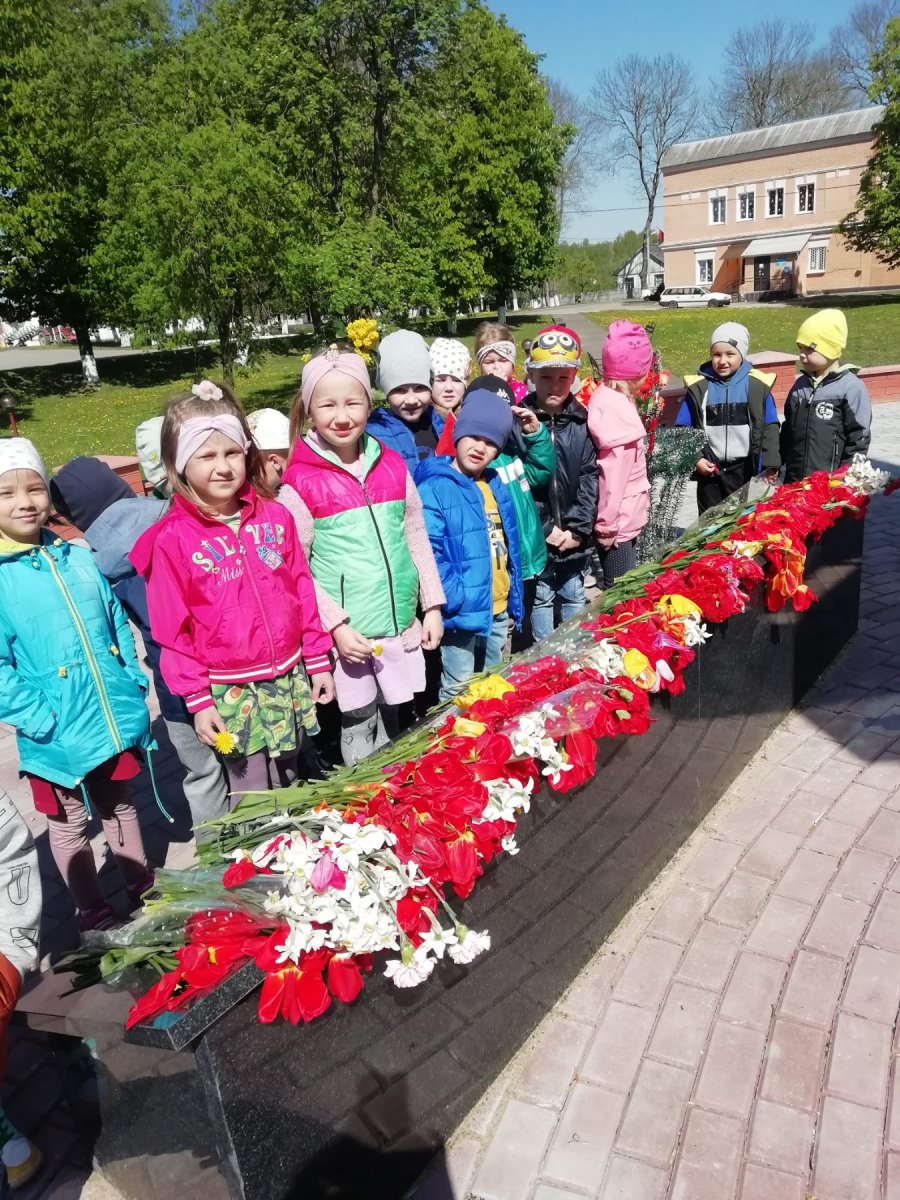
555	346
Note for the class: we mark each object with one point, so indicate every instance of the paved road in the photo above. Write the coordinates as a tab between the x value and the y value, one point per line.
15	358
736	1038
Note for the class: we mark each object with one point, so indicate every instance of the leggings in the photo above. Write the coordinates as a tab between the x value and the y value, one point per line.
616	561
71	848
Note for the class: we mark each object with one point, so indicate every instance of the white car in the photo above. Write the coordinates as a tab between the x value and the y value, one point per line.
693	297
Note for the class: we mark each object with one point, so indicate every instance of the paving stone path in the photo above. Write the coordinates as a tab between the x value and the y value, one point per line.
737	1036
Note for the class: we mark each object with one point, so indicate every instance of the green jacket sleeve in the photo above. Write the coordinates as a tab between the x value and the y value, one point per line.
539	457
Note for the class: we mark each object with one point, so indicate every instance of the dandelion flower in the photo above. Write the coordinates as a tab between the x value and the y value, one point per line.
225	742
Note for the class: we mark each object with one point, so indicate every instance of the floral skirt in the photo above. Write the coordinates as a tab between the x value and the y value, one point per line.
267	714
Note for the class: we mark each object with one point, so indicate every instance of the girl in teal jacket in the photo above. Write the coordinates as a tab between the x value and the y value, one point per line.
71	686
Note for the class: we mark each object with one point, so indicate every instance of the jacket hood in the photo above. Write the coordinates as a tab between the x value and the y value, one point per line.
573	410
113	535
841	371
735	377
619	423
86	487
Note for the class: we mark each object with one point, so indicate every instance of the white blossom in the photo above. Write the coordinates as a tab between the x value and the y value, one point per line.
470	945
865	479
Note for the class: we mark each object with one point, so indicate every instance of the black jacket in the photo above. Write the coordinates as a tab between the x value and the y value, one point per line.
570	498
825	423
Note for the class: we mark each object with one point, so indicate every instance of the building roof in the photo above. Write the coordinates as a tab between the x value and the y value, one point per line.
774	137
634	263
785	243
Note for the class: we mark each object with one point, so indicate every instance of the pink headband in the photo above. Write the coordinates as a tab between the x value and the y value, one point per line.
351	365
194	432
506	350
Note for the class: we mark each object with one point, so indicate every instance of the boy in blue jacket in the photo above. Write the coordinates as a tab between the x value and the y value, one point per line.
409	423
732	403
471	524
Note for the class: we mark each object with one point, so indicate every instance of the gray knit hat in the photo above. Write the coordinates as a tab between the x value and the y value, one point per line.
403	359
732	334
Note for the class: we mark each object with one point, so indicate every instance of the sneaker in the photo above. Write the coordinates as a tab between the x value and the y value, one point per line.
137	891
21	1158
98	916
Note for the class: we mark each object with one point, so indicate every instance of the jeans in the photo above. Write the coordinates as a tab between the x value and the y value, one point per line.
563	580
465	654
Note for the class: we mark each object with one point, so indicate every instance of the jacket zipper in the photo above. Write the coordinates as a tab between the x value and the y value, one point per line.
89	654
343	577
259	603
554	485
387	565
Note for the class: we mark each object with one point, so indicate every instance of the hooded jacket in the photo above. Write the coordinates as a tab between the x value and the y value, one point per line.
457	528
737	414
826	422
569	499
69	677
624	490
226	607
394	433
112	518
360	555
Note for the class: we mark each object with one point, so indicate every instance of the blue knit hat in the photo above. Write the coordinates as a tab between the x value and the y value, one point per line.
486	415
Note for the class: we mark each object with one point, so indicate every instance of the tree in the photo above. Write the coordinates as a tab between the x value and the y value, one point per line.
874	224
580	160
644	106
772	76
70	75
855	43
502	151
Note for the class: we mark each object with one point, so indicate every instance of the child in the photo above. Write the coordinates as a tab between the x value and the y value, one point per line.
472	526
527	461
495	353
360	521
409	424
450	367
618	434
732	403
271	432
828	413
71	685
111	519
568	503
230	597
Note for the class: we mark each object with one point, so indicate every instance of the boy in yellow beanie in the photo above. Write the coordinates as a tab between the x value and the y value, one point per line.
828	413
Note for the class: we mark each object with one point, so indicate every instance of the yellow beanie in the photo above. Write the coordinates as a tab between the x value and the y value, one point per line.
825	332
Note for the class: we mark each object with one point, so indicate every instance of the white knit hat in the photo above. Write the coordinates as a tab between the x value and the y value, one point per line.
271	429
450	357
18	454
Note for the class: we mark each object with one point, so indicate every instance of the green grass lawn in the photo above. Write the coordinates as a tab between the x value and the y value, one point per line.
682	335
63	419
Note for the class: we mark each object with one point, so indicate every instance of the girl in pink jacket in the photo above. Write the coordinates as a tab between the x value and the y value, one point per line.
231	598
618	433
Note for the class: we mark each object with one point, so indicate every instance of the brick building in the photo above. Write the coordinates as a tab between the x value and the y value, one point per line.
755	213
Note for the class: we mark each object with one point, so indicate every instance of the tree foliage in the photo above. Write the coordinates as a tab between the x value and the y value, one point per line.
874	224
592	266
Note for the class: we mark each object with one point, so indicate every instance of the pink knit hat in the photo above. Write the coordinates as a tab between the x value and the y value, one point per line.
627	353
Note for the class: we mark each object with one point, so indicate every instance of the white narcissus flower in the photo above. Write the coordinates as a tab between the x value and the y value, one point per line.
436	941
509	844
470	945
695	632
864	478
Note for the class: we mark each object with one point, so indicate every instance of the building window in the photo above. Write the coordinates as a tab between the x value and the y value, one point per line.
704	270
775	201
806	197
717	208
816	264
746	205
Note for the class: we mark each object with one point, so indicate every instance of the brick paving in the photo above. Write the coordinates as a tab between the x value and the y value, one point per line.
735	1037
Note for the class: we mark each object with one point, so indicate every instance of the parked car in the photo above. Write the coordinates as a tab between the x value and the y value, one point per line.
693	297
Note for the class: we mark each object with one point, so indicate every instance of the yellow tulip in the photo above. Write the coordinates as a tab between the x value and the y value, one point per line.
635	663
492	687
679	606
463	727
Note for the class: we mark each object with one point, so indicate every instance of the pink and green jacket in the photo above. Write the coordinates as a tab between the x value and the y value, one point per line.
360	555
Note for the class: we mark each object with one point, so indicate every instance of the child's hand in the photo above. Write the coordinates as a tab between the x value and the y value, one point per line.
351	646
568	541
771	475
322	687
705	467
554	536
608	542
432	629
527	418
207	723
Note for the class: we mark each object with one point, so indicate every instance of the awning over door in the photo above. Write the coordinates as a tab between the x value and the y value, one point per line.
776	244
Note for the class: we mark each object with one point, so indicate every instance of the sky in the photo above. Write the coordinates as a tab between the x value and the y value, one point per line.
578	38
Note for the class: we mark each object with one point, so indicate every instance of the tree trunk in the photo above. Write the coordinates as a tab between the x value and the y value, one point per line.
501	308
645	257
451	324
226	350
88	363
